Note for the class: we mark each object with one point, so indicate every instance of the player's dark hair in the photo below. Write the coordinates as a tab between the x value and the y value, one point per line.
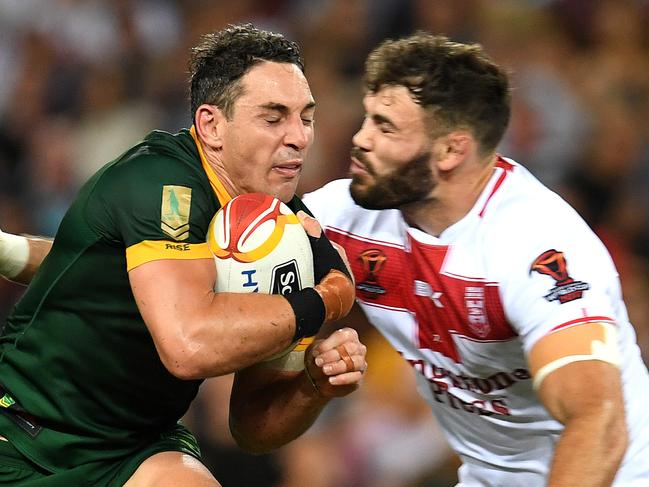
457	84
222	58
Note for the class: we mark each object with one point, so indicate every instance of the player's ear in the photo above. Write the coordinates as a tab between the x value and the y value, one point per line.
209	121
452	149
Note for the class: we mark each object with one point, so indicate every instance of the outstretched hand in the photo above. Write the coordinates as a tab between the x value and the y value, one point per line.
336	364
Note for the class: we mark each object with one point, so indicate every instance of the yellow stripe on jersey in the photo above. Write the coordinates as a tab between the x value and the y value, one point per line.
303	344
220	191
150	250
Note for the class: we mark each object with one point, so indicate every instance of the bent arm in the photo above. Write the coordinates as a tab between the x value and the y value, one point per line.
586	396
21	256
199	333
270	407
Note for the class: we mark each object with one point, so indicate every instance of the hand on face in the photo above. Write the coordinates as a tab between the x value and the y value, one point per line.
337	363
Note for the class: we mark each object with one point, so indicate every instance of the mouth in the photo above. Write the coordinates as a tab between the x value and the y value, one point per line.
289	169
357	167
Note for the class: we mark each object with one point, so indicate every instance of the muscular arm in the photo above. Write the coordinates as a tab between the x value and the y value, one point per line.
269	408
199	333
273	403
586	396
20	257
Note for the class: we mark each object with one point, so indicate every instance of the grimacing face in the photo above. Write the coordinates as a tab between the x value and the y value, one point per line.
270	131
392	152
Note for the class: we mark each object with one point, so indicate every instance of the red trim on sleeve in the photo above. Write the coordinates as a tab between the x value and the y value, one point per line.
580	321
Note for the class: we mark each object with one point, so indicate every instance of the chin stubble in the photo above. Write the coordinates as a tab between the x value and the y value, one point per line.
409	183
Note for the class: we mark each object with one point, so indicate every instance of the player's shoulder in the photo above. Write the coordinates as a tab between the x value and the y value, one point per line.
336	210
338	189
330	199
521	204
525	218
160	159
161	153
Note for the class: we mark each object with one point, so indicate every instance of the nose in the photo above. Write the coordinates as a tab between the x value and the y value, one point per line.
298	136
362	138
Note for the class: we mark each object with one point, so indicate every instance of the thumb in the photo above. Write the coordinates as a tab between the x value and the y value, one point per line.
310	224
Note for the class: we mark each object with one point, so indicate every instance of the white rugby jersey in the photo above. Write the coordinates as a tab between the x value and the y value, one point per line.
466	307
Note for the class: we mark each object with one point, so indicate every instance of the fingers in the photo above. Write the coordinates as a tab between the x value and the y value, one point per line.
342	336
310	224
348	378
341	357
345	357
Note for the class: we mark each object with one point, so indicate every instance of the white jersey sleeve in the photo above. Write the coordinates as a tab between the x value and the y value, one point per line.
554	271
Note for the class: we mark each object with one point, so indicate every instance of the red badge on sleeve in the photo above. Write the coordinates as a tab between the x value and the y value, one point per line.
553	263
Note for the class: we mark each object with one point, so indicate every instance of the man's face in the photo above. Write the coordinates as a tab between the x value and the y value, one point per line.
391	157
270	131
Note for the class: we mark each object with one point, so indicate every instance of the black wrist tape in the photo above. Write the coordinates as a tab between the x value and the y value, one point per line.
325	258
309	311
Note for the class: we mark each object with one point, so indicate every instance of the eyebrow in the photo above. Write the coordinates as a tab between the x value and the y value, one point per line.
379	119
283	109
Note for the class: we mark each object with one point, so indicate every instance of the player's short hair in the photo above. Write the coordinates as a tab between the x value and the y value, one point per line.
223	57
457	84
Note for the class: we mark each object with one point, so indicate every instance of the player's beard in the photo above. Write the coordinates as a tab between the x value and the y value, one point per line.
409	183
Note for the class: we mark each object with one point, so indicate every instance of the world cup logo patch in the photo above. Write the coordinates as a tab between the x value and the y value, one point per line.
553	263
372	262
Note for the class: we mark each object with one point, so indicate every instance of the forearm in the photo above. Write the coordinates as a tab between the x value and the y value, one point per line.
273	403
589	451
20	257
227	332
199	333
279	413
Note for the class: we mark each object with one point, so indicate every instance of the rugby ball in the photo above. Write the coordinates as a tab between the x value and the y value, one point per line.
259	246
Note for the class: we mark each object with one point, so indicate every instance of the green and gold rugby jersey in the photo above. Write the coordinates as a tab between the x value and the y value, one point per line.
76	354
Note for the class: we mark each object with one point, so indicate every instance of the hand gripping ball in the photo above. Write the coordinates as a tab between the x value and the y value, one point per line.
260	246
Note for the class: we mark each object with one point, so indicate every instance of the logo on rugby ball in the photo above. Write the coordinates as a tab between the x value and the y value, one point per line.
286	278
259	245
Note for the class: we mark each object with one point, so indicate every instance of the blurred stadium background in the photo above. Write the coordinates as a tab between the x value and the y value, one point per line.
81	80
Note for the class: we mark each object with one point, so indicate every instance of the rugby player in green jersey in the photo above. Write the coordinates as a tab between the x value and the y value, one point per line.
120	324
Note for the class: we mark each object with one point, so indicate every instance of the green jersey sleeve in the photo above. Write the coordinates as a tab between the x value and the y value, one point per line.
157	207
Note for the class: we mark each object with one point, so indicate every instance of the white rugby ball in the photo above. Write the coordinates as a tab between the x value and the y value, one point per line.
260	246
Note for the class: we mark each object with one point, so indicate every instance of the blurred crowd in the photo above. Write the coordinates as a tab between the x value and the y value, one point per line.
82	80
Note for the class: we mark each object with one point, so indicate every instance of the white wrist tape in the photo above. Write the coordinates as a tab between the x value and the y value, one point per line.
14	254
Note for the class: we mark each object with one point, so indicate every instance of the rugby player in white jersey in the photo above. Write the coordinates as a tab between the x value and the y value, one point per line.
487	283
499	295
